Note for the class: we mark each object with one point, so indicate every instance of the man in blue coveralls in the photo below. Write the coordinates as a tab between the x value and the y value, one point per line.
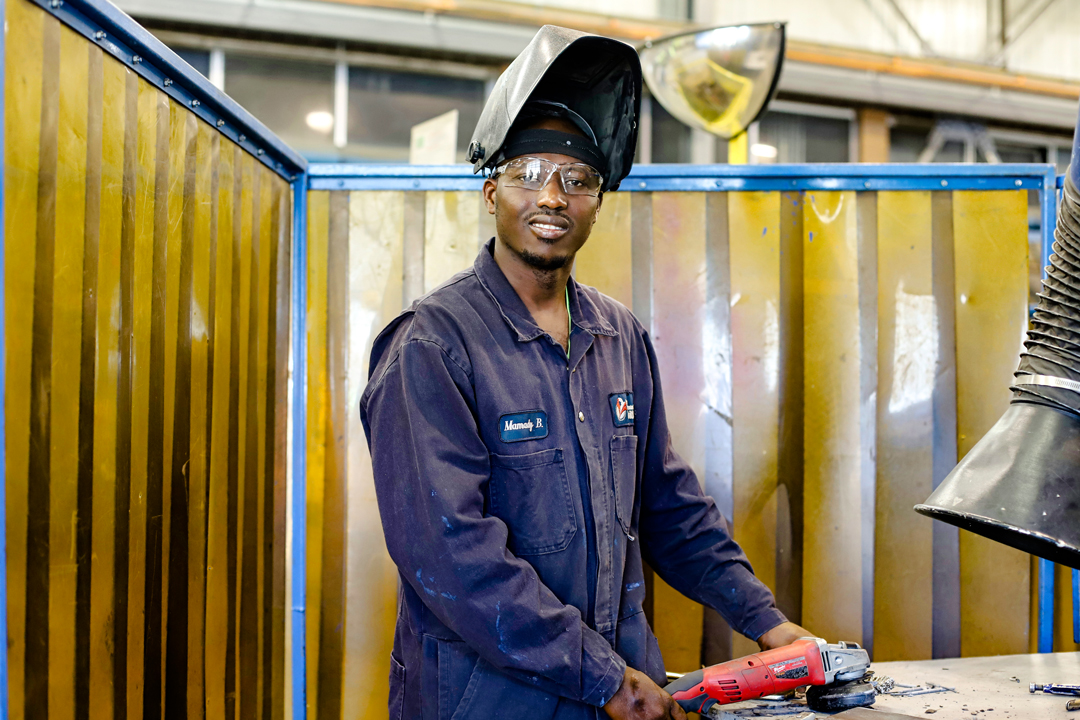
521	452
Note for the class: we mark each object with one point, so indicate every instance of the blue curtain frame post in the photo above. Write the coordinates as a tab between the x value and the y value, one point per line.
299	451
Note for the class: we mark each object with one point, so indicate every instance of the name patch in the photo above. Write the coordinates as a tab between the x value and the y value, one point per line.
622	409
520	426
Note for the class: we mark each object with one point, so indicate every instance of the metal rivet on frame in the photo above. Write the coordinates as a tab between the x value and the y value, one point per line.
136	59
221	123
261	151
56	4
944	183
100	35
242	138
195	103
1019	183
166	82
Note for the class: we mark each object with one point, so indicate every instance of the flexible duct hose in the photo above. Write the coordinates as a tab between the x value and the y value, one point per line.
1020	484
1053	340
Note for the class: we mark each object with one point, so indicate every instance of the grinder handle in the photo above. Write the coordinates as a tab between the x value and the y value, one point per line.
685	685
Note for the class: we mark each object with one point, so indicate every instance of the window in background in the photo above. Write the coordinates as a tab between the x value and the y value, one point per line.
670	137
1010	153
951	152
905	144
198	59
294	98
385	104
721	151
790	138
1064	153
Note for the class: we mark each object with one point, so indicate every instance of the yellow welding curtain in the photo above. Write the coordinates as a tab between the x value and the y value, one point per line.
826	357
146	325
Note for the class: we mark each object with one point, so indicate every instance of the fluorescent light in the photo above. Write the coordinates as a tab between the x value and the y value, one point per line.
762	150
320	121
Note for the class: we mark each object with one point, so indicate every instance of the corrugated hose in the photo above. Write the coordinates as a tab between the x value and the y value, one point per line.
1049	372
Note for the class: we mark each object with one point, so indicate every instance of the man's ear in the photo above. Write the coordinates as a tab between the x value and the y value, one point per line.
488	191
599	204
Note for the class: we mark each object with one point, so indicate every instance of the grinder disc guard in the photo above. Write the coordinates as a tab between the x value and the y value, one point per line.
840	696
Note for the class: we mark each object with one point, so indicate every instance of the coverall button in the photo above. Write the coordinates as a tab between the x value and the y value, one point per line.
581	416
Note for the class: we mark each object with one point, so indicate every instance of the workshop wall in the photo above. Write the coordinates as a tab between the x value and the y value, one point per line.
146	327
825	356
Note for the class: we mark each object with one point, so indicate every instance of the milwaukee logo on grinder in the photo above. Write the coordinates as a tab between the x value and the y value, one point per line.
790	669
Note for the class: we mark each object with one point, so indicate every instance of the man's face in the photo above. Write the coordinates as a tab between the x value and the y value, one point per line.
546	227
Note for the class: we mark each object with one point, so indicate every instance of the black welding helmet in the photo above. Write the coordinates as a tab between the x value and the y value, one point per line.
592	81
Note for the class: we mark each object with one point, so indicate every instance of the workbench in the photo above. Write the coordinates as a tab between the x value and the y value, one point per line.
987	688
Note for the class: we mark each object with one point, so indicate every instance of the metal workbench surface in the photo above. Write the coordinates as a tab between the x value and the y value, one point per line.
986	687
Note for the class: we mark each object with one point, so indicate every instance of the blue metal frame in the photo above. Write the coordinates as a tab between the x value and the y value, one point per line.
1046	606
299	450
666	178
648	178
1076	604
121	37
653	178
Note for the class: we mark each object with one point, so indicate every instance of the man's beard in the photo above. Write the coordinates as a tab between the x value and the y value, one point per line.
538	262
543	264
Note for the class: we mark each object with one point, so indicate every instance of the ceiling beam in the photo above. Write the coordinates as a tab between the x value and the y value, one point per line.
925	46
1034	10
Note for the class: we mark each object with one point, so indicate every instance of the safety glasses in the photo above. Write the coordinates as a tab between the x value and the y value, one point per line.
532	173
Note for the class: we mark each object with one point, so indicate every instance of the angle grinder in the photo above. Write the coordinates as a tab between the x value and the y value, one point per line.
834	673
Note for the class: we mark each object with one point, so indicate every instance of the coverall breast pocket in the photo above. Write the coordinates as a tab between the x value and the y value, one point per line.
624	477
531	494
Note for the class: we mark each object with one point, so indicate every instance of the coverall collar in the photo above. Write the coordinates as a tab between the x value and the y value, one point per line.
583	310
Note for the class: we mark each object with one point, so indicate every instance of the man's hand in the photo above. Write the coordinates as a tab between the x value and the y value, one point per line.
639	698
781	635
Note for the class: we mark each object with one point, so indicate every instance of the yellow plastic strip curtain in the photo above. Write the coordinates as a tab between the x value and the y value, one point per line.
140	563
991	263
816	350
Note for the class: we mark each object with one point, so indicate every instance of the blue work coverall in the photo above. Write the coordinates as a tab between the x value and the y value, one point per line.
519	491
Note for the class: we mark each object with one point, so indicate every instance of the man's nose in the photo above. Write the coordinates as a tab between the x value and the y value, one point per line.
552	195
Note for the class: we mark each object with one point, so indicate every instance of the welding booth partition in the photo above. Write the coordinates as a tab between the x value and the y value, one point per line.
190	520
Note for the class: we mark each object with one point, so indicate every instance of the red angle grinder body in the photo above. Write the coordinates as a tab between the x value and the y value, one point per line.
807	661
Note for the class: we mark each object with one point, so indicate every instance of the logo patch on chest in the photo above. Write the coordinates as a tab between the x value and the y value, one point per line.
622	409
531	425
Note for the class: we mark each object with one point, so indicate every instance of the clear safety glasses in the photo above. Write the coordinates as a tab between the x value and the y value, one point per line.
532	173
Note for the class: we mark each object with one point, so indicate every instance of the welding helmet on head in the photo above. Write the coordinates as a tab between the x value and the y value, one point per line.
593	82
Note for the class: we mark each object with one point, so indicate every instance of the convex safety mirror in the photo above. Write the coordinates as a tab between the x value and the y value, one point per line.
718	80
